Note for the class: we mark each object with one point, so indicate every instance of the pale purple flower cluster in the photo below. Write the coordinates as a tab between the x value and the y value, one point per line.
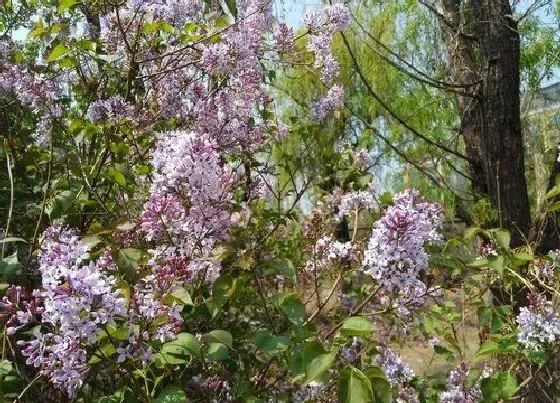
79	298
283	38
328	248
539	323
408	395
351	354
395	256
333	101
188	209
322	25
457	389
219	389
362	157
310	392
395	369
329	251
189	170
18	309
149	319
487	249
348	303
113	110
162	216
37	92
216	58
352	201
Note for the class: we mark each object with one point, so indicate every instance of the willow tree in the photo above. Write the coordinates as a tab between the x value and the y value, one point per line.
475	56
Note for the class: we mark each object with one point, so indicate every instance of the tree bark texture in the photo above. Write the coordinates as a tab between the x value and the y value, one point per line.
483	45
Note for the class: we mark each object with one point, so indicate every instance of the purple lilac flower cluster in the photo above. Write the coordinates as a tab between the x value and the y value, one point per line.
351	354
18	309
329	251
457	389
332	102
396	370
322	24
395	256
113	110
355	200
310	392
79	298
188	209
37	92
539	324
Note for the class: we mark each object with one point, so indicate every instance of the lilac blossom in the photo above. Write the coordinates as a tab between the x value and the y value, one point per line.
457	389
395	256
395	369
37	92
352	201
78	298
113	110
539	324
328	251
331	103
17	309
310	392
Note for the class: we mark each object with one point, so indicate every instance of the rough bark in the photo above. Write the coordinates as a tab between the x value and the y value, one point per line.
483	44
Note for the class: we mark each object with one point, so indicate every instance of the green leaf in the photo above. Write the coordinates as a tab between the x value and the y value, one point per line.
357	326
484	315
108	58
500	386
126	226
293	308
489	347
539	358
523	256
181	295
172	394
189	342
297	367
116	176
284	267
320	364
354	387
471	232
65	5
103	353
9	265
555	191
120	333
479	263
5	367
553	207
12	239
87	45
217	352
316	360
382	391
128	258
270	344
232	6
441	350
219	336
497	263
90	241
58	51
502	236
177	351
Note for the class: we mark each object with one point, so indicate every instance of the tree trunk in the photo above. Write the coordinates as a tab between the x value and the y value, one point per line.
483	45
